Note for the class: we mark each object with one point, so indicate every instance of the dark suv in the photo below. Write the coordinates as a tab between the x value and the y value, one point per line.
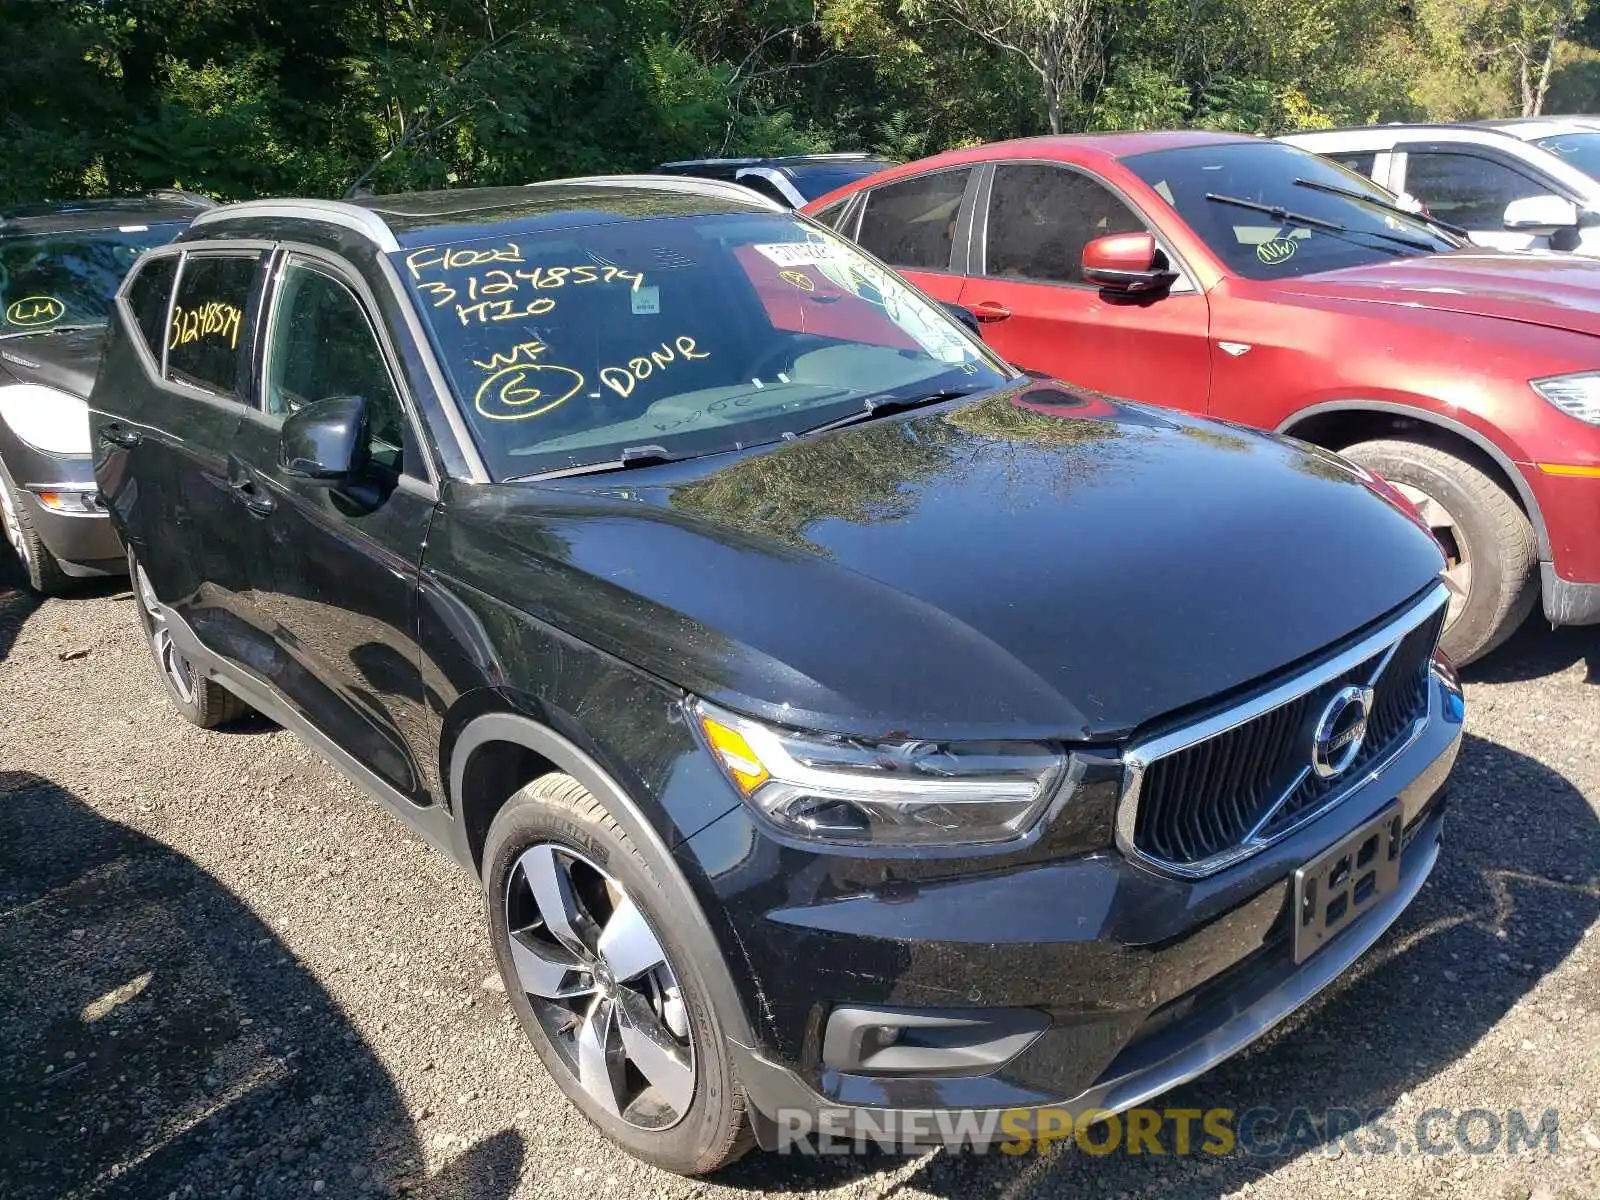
60	265
834	717
792	180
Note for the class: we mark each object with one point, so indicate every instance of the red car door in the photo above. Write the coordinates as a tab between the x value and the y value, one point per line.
1027	289
913	225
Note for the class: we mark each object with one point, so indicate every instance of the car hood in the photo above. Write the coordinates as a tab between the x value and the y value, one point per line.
1031	564
66	361
1557	291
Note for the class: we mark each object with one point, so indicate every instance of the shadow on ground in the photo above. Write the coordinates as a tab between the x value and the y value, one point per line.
156	1037
1536	650
1516	888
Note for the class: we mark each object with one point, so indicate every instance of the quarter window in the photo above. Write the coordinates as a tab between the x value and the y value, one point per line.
322	345
1466	189
148	297
912	223
1041	217
1362	162
206	334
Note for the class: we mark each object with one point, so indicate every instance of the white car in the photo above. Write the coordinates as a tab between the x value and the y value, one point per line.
1514	185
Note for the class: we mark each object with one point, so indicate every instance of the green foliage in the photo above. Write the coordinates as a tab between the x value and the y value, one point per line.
246	97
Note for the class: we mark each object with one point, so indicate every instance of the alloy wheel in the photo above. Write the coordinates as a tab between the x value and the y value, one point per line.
13	527
1448	531
600	985
173	664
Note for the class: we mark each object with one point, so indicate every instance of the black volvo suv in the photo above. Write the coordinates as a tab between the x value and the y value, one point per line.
836	718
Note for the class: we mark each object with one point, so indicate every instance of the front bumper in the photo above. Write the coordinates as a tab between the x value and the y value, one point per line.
1144	980
1570	581
84	543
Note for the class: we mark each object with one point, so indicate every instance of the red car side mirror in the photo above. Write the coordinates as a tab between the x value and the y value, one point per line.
1127	262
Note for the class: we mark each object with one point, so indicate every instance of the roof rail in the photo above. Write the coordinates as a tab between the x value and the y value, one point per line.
726	189
332	212
184	194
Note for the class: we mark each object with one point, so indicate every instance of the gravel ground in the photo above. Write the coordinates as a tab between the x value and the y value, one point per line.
225	974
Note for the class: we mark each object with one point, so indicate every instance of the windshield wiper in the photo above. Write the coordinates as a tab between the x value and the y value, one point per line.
1352	194
871	408
1279	213
630	456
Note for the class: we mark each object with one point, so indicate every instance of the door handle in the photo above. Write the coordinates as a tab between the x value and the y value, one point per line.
252	497
118	436
988	310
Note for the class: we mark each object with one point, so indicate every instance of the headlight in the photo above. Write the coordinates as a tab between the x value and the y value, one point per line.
1576	395
46	419
68	500
903	793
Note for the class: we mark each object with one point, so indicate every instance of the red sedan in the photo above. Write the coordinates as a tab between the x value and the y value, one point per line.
1256	282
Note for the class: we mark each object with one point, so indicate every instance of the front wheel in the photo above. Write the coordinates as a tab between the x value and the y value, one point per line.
1491	556
44	573
584	935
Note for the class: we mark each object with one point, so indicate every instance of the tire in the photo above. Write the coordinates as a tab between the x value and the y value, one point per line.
556	821
1480	526
201	701
44	573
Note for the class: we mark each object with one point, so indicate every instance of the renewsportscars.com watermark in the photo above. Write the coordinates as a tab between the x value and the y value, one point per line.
1256	1132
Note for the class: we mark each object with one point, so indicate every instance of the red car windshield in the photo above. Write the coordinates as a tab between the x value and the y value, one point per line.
1272	211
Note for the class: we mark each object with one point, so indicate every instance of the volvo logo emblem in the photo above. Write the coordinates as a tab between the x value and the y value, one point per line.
1341	731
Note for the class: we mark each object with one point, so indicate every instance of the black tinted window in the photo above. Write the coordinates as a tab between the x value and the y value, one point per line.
812	180
1362	162
912	223
1041	217
830	215
207	327
148	297
69	278
321	345
1466	189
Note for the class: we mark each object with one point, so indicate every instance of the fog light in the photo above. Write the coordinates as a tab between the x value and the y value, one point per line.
927	1041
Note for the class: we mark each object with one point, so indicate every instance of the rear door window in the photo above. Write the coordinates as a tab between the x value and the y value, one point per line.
149	297
1362	162
206	334
912	222
1041	217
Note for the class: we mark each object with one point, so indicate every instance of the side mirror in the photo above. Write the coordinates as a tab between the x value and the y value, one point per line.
965	315
1541	215
1127	262
325	442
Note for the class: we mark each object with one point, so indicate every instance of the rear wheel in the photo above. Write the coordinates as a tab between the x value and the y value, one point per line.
584	936
44	573
202	701
1492	557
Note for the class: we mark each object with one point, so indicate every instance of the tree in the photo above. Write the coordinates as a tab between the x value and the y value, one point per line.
1063	42
1538	27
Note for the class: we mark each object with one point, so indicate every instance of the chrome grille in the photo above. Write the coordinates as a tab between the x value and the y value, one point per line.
1214	792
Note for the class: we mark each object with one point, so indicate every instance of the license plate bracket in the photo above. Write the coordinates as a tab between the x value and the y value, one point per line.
1346	881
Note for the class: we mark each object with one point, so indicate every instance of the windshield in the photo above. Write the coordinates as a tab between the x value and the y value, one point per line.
676	336
1582	150
69	278
813	180
1203	182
